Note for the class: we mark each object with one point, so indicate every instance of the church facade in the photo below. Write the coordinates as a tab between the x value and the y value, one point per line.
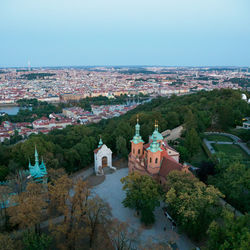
102	158
155	158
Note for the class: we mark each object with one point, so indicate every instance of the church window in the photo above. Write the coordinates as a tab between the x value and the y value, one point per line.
150	160
156	160
139	151
133	151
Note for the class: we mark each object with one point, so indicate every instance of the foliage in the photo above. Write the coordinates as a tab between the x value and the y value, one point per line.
72	147
206	168
32	241
191	203
34	76
232	179
6	242
4	200
28	212
192	141
121	147
3	172
233	233
82	214
142	194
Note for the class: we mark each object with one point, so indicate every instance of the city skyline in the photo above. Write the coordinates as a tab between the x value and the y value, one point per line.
110	33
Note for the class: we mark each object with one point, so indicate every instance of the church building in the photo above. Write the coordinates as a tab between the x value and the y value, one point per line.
103	158
155	158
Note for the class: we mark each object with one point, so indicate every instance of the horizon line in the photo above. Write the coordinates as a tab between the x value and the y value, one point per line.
130	65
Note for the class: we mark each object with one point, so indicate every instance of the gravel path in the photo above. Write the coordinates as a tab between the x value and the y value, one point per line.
111	191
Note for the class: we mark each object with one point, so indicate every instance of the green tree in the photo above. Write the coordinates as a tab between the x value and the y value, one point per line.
191	203
143	193
232	233
192	141
3	172
184	154
32	241
232	179
121	147
190	120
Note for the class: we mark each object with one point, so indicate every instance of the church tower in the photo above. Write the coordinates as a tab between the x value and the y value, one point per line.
137	142
154	153
38	172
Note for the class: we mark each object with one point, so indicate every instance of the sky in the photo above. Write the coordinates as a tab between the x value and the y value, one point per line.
124	32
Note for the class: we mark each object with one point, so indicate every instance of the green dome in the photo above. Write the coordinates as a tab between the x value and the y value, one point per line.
156	135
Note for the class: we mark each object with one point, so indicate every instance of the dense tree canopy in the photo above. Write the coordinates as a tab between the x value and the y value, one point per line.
191	203
230	233
142	194
72	148
232	179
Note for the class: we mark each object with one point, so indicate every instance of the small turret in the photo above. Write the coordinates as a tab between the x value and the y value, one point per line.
137	142
100	143
137	138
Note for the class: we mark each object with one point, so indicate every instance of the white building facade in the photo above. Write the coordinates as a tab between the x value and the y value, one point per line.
103	158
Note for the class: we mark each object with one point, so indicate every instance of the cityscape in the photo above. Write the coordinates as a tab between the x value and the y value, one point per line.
124	125
64	84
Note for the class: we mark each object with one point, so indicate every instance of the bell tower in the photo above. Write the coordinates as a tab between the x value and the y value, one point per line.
137	142
154	153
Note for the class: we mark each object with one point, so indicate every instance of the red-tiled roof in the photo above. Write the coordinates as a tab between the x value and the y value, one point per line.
168	164
97	149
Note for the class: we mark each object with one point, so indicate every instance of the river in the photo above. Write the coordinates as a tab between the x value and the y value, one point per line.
10	110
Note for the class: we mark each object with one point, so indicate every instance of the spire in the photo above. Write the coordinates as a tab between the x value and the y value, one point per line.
156	133
156	125
43	168
36	156
137	126
137	138
155	146
100	142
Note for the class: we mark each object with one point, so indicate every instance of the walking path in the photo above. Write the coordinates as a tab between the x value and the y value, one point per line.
236	140
111	192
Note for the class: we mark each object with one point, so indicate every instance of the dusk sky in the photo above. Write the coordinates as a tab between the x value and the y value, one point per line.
125	32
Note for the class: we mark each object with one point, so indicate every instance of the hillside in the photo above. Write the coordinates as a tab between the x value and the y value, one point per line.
72	147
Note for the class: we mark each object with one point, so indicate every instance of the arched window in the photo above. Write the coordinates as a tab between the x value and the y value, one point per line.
156	160
139	151
150	160
133	151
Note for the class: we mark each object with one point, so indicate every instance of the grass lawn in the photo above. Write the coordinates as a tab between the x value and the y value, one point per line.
231	149
218	138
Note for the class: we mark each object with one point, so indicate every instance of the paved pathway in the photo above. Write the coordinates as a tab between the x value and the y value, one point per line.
111	191
236	140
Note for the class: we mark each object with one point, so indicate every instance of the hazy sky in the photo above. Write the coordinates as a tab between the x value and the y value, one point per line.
124	32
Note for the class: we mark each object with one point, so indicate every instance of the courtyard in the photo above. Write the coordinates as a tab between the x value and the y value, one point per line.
110	190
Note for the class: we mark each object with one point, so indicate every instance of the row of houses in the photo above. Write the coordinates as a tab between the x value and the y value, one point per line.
70	116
